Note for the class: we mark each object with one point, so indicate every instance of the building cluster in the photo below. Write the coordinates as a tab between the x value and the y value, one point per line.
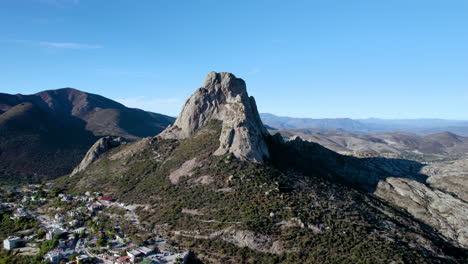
77	243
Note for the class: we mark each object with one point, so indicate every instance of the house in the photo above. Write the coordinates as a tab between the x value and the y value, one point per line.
144	250
81	258
94	207
120	237
73	222
71	213
59	217
107	200
53	256
133	254
12	242
79	230
123	260
56	255
54	232
29	238
108	258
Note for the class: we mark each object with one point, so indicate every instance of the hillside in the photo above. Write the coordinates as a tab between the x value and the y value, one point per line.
215	182
45	135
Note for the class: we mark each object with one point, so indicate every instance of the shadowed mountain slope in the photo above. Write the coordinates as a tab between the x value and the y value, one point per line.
45	135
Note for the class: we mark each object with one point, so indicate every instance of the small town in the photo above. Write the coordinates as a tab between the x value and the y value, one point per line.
88	228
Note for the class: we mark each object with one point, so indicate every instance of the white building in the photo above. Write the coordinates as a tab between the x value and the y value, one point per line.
53	256
12	242
133	254
59	217
79	230
53	232
81	258
144	250
56	255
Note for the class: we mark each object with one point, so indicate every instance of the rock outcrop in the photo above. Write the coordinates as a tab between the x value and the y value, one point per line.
101	146
440	210
241	238
224	97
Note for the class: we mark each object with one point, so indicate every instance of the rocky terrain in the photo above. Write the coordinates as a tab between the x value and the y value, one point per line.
215	182
435	194
432	147
45	135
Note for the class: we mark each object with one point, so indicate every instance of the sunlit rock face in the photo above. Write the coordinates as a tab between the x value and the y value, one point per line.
224	97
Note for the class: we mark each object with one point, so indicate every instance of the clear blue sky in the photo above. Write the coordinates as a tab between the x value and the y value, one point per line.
314	58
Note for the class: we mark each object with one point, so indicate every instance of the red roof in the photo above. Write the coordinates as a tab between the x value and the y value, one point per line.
123	258
104	198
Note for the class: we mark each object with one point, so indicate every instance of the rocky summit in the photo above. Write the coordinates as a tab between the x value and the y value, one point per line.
224	97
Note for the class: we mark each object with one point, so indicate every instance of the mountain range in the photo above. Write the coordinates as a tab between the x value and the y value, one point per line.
370	125
45	135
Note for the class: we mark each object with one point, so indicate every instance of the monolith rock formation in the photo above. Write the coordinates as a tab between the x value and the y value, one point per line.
101	146
224	97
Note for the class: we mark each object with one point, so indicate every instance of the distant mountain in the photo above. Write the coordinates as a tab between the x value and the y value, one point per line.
46	134
370	125
284	122
421	122
402	144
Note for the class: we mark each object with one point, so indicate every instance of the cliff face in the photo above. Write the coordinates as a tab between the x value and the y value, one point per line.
101	146
224	97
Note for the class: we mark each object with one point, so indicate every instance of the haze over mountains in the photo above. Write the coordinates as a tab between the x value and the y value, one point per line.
45	135
370	125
